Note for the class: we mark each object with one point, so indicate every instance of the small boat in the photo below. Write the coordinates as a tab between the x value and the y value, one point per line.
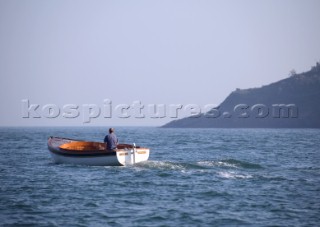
77	152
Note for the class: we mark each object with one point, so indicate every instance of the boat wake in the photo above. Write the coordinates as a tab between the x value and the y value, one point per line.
227	169
230	163
167	165
233	175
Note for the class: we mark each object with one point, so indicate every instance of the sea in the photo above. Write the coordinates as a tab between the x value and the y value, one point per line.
194	177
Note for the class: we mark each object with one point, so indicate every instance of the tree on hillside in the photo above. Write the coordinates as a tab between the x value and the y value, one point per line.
316	68
292	73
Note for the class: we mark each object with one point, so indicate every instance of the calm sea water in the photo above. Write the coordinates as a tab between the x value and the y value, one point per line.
194	177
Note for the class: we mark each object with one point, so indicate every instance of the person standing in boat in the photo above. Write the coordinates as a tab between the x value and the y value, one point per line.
111	140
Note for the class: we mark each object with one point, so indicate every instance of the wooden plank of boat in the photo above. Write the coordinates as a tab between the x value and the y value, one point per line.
71	151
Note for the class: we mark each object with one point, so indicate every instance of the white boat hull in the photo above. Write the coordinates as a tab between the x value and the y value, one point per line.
120	157
90	161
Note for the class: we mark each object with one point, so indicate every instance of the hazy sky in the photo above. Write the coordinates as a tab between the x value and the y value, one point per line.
157	52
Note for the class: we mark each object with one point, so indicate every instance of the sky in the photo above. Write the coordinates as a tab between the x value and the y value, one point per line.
109	63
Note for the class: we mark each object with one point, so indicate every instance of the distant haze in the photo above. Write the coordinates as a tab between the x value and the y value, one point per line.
109	53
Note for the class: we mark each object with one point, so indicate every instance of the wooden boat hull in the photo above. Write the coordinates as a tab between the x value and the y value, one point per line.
70	151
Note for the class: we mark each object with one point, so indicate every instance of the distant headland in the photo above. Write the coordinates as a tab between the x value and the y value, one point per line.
293	102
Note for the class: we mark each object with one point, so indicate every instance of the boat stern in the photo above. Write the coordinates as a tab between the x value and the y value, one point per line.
133	155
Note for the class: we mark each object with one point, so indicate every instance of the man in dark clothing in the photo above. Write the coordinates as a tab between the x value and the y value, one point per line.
111	140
